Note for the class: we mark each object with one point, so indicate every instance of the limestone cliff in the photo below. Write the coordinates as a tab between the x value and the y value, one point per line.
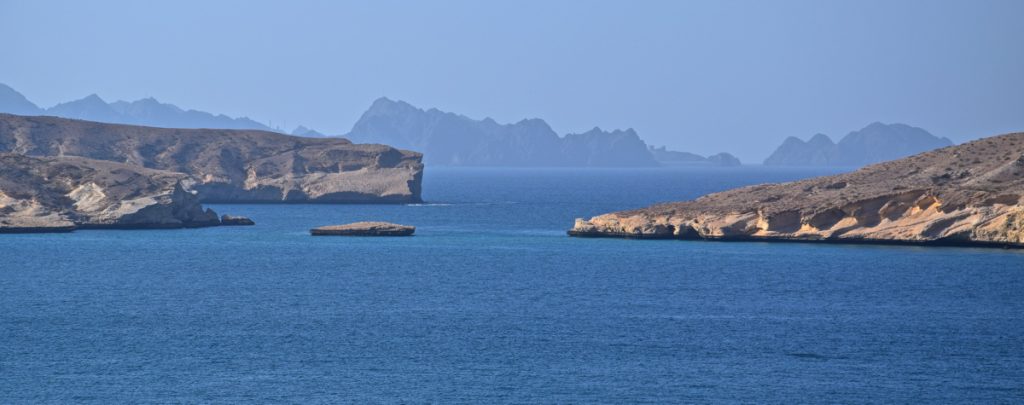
231	165
61	194
959	195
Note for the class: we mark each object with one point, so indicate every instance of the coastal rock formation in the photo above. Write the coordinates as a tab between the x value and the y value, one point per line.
665	156
364	229
450	139
231	165
971	194
232	220
872	144
62	194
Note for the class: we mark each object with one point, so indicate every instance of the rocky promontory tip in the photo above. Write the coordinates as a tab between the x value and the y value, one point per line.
971	194
364	229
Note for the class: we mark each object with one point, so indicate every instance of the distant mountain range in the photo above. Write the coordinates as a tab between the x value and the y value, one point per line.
147	111
450	139
874	143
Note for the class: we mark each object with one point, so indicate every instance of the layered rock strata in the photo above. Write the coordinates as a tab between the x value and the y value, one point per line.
63	194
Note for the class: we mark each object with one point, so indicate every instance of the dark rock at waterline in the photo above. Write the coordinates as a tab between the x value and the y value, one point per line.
232	220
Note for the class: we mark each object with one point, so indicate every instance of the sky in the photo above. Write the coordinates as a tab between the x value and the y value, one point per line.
698	76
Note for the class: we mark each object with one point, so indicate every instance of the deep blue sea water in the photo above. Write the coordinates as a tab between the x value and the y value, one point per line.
491	302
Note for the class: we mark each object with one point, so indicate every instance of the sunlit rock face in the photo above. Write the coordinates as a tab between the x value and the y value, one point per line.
59	194
966	194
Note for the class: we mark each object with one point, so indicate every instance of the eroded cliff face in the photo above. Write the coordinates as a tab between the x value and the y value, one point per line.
231	165
61	194
967	194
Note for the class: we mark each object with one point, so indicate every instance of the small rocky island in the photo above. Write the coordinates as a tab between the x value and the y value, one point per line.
364	229
969	194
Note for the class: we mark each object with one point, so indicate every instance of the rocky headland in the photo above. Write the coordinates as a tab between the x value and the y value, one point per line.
66	193
969	194
224	165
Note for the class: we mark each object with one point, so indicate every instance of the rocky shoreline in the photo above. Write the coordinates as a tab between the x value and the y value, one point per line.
966	195
782	239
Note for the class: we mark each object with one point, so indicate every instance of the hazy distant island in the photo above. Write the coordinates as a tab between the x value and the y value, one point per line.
958	195
59	171
874	143
665	156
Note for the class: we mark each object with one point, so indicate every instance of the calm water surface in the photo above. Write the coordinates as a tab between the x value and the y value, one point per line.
491	302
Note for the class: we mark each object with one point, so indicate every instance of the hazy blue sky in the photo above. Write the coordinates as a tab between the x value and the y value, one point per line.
704	76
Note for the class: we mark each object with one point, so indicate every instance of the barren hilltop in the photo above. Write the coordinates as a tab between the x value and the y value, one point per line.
225	165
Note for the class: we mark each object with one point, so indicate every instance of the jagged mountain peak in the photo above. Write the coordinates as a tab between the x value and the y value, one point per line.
11	101
447	138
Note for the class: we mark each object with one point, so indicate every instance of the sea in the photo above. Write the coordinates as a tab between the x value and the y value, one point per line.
491	302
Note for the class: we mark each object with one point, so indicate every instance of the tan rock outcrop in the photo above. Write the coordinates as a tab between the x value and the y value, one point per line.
971	194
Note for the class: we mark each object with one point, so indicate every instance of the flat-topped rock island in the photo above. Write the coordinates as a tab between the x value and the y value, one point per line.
969	194
368	228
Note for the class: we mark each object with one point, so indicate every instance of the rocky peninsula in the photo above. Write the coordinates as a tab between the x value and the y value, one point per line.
969	194
225	165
